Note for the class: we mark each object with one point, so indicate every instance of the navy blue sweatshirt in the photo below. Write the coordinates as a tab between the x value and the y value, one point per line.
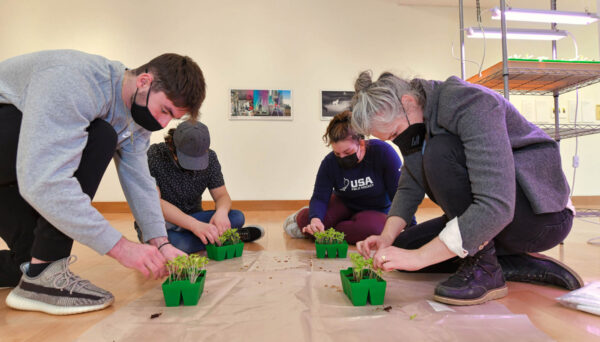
370	185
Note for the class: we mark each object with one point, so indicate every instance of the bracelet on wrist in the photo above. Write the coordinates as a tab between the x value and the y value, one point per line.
163	244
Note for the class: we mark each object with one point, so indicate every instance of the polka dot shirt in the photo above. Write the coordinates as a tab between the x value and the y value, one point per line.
183	188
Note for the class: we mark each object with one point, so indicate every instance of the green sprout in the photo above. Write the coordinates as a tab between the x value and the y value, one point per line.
363	268
329	236
413	316
195	264
230	237
320	237
186	267
176	268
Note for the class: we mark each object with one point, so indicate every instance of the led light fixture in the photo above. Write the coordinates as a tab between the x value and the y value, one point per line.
545	16
527	34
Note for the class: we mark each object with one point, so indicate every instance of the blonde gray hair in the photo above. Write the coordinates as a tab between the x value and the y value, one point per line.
376	104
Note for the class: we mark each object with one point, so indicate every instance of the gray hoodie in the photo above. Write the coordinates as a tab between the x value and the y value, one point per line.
59	93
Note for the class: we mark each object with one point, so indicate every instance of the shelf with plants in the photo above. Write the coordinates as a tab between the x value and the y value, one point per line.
362	283
534	77
231	246
330	243
185	281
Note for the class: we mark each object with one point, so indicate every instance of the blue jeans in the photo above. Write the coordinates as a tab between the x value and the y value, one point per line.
186	241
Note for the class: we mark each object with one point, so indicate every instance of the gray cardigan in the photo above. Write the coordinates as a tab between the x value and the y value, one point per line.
501	148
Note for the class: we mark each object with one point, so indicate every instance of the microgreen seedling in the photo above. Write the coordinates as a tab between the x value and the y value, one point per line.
186	267
363	267
329	236
230	237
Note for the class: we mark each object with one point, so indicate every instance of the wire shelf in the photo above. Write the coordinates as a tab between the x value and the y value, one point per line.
570	130
539	78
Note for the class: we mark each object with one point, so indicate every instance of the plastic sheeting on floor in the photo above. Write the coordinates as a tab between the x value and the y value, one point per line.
293	296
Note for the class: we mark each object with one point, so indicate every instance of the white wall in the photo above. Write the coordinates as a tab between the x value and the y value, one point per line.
302	45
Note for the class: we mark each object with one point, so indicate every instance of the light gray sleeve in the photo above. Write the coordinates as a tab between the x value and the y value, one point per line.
408	196
139	186
58	107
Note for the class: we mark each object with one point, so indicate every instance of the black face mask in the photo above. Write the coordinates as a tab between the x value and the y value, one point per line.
411	140
142	116
347	162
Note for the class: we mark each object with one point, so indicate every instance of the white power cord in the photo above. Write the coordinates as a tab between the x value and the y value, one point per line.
479	65
576	155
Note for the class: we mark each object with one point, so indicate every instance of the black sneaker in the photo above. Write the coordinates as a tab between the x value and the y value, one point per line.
251	233
539	269
57	291
478	280
138	231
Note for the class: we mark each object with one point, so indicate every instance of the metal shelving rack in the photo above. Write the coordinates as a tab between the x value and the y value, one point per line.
532	77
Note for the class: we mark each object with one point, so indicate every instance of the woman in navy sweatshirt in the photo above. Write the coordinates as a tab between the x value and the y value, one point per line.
354	187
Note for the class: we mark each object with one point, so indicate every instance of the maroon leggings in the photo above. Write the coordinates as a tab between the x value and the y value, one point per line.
356	225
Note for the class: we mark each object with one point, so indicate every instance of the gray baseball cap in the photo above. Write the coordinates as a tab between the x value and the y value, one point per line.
192	140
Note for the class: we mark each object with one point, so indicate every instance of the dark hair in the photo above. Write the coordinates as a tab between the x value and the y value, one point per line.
180	78
169	140
340	128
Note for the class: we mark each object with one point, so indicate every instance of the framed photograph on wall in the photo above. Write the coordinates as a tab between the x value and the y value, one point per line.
260	104
334	102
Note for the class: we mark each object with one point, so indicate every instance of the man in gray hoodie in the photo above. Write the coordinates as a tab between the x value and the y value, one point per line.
63	115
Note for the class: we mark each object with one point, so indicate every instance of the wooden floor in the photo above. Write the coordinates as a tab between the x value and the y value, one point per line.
537	302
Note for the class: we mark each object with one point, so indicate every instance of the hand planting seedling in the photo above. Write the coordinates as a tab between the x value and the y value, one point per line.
186	279
231	246
332	243
362	282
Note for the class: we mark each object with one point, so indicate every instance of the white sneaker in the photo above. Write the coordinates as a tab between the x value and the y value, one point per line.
291	227
57	291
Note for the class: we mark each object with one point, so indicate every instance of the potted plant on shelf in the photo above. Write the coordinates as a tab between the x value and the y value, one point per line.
331	243
231	246
361	282
186	280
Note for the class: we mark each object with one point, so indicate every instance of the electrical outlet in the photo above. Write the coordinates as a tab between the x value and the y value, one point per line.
597	112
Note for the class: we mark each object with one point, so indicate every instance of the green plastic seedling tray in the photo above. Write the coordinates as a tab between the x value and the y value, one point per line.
339	250
219	253
176	290
372	290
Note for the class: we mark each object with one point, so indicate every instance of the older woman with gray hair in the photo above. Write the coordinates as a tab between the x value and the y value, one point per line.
497	177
